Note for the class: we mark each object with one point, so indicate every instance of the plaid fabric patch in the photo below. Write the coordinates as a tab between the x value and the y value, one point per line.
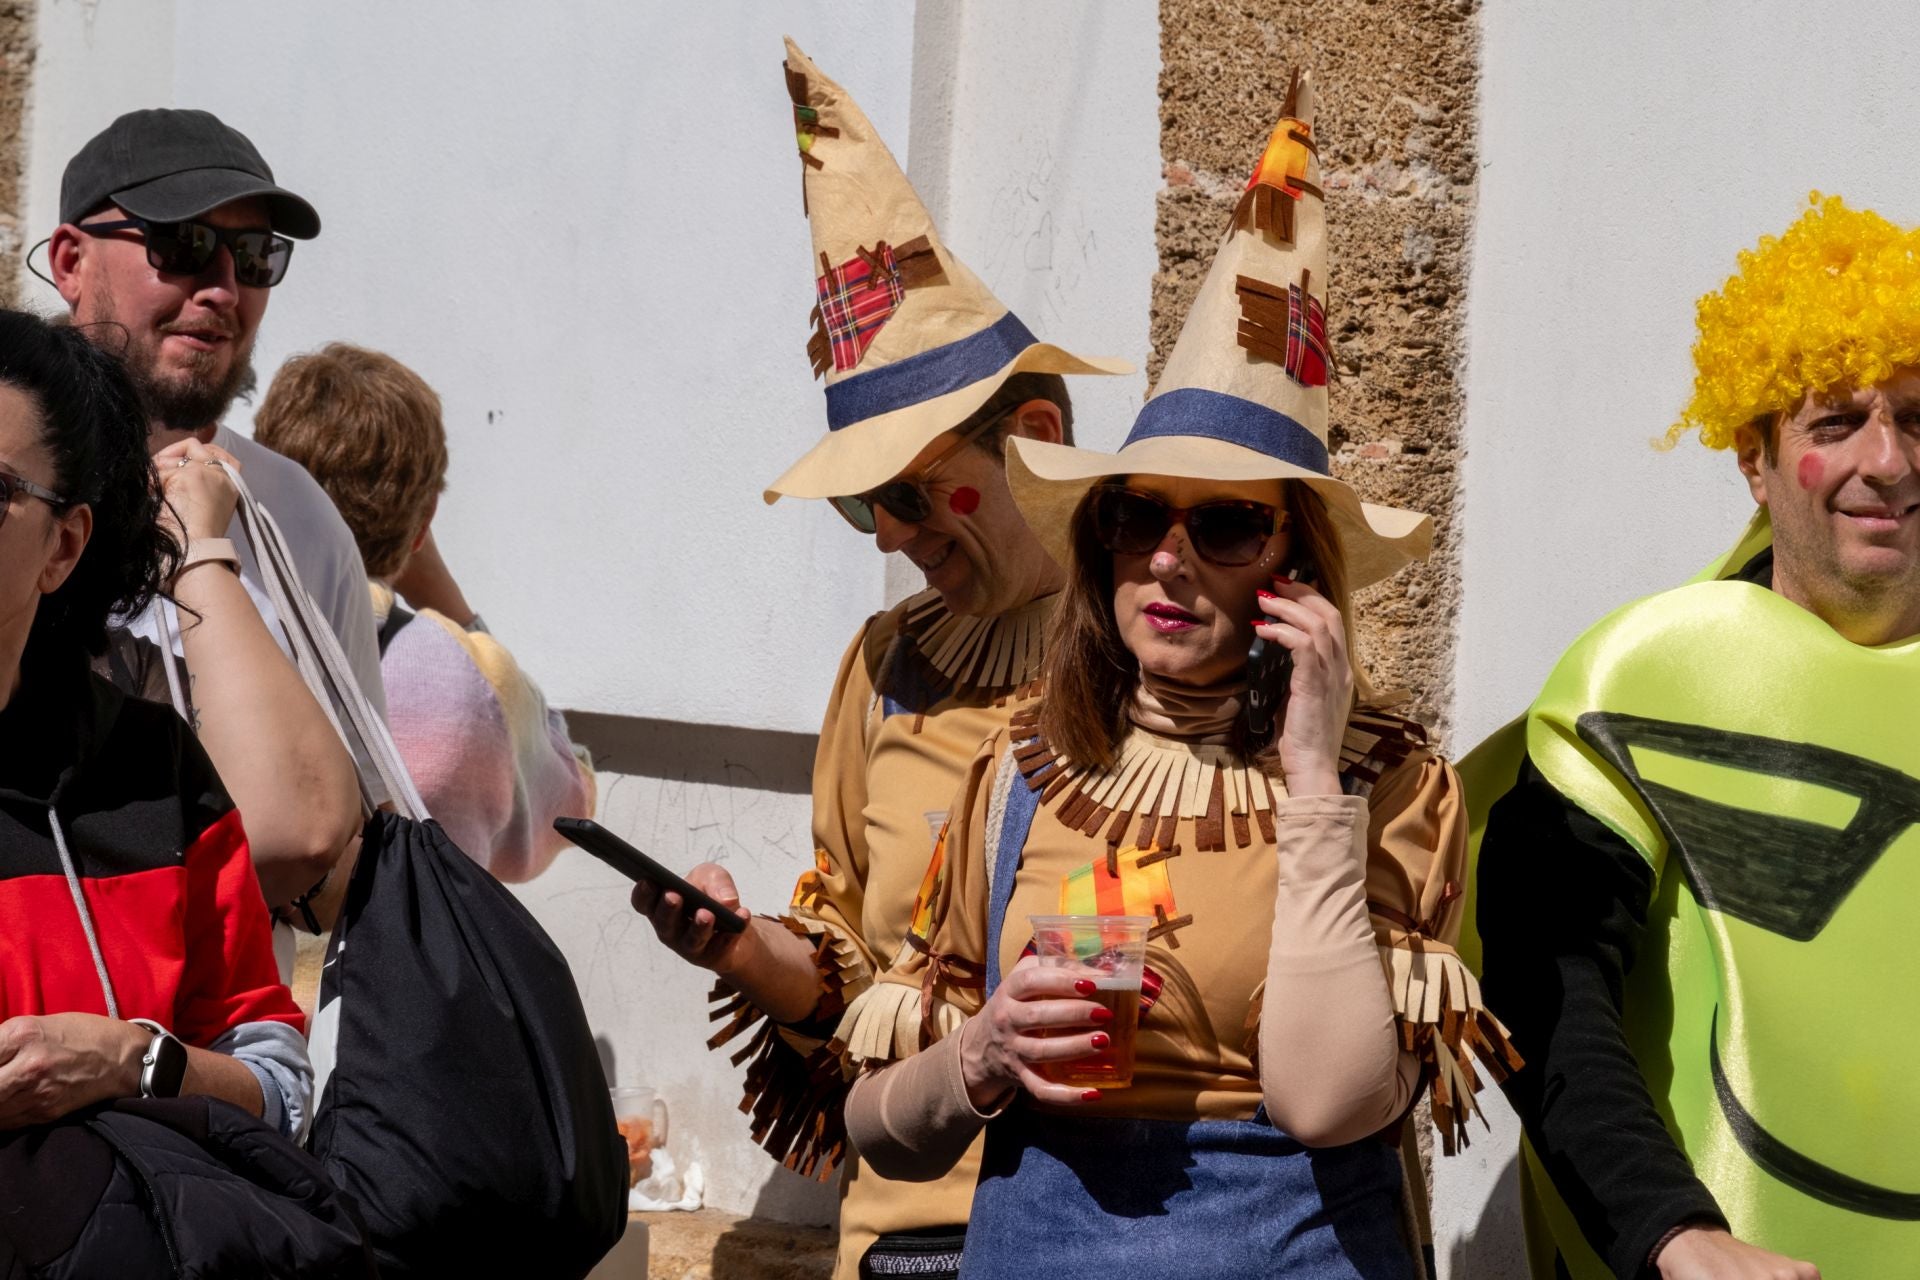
856	298
1306	338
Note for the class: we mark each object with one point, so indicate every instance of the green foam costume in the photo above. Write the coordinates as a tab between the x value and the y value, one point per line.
1768	770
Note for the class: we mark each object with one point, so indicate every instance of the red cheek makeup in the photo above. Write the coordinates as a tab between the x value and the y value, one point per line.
965	501
1810	472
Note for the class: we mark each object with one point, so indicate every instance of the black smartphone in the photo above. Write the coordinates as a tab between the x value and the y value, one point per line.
635	865
1269	679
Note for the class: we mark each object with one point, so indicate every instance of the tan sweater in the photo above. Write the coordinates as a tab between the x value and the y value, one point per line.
1341	1047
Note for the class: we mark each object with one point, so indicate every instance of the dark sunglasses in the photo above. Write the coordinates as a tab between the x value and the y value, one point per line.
185	248
1228	532
11	484
905	500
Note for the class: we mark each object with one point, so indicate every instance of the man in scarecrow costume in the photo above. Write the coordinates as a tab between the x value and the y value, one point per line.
1695	901
927	377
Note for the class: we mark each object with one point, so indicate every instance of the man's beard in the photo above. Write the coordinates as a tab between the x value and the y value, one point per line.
193	401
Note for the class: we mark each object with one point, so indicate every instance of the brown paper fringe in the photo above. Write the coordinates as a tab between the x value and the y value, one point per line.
1142	797
1269	210
806	119
1442	1021
796	1086
819	346
886	1023
1266	316
997	657
914	264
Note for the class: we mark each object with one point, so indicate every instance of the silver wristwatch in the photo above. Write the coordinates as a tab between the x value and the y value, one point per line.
163	1069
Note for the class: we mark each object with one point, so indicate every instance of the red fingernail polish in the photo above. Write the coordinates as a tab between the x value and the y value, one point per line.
1266	595
1091	1095
1084	986
1101	1040
1100	1015
1283	577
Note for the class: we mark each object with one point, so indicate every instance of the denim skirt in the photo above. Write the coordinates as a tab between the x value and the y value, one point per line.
1071	1198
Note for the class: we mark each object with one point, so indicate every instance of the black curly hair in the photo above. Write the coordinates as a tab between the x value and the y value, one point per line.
93	427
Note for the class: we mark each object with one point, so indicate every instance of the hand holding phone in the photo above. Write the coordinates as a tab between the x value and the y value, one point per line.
1269	680
1314	705
638	867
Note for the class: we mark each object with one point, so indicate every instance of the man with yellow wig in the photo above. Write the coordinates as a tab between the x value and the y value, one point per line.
1697	898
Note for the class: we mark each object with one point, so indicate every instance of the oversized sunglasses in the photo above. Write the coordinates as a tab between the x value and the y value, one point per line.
906	500
260	258
1227	532
11	484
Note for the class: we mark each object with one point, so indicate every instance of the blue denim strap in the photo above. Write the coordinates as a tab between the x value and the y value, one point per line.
1022	803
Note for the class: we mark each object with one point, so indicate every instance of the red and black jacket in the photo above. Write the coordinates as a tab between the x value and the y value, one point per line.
159	854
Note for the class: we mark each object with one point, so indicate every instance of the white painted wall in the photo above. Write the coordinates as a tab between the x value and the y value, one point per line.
581	223
1036	144
1046	171
1628	151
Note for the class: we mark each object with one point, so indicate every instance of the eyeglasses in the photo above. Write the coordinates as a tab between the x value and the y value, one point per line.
185	248
1228	532
11	484
905	500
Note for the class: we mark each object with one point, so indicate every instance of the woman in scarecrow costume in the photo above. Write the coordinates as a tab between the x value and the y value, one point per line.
927	377
1303	874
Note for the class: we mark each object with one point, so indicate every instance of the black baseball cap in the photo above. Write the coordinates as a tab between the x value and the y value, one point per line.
169	165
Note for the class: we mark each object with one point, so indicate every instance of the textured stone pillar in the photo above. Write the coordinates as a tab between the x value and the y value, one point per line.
16	71
1395	83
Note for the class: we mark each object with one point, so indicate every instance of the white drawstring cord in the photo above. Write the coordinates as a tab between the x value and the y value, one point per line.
169	657
80	905
171	646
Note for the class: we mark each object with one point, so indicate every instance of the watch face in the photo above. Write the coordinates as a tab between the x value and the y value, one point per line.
169	1067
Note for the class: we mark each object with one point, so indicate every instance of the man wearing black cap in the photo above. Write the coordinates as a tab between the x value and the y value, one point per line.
172	232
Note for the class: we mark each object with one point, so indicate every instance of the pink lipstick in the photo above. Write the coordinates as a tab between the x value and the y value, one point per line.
1169	618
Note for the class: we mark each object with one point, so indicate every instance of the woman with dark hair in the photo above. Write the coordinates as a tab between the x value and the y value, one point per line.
1294	853
137	958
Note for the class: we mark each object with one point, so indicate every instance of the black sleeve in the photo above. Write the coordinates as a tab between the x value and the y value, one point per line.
1563	901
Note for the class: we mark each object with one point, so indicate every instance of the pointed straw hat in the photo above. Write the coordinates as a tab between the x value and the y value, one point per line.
910	341
1244	393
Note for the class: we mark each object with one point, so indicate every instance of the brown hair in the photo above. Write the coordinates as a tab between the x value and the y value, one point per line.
1091	675
1013	393
368	429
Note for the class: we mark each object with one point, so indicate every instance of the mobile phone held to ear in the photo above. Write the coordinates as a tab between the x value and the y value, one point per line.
635	865
1269	679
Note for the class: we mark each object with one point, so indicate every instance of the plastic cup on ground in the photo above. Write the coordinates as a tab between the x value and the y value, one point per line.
642	1118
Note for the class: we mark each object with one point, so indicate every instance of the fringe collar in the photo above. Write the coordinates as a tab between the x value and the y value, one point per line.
969	657
1155	782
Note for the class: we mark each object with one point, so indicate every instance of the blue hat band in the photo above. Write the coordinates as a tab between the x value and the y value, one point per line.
1195	411
928	375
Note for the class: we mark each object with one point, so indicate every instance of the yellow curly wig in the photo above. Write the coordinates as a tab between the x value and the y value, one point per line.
1833	302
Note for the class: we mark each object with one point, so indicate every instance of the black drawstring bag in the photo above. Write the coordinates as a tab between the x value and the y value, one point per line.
466	1112
459	1098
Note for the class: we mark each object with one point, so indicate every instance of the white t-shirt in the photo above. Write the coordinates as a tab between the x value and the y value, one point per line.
324	555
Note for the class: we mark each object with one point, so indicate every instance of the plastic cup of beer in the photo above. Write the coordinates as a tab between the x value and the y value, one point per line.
642	1117
1112	952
